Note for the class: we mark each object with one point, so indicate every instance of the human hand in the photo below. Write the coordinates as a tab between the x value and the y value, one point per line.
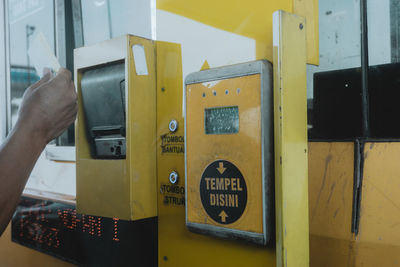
49	106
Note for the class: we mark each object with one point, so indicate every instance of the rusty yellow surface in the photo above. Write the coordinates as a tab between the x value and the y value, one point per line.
331	191
203	149
252	18
14	255
290	123
177	247
120	188
330	183
379	235
331	169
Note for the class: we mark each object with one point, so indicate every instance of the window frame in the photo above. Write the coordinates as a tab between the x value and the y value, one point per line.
3	75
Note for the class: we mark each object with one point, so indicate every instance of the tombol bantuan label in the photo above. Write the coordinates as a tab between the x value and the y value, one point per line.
223	192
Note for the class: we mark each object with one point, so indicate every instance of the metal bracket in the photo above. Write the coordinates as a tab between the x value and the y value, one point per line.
357	187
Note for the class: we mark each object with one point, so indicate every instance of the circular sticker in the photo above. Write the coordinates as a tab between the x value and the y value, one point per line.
223	192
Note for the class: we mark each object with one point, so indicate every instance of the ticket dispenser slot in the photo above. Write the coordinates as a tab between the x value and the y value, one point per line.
103	96
116	129
229	152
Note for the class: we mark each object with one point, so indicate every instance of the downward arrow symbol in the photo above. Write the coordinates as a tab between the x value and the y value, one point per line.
223	216
221	168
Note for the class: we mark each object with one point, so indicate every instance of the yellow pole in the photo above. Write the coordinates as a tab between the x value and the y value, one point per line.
290	118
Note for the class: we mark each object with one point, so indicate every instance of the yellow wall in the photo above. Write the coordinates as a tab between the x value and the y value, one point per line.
251	18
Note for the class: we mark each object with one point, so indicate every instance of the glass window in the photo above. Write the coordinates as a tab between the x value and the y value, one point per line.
380	25
105	19
383	72
26	19
334	87
337	107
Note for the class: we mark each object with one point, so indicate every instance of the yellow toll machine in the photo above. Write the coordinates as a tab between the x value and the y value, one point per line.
130	143
116	128
229	152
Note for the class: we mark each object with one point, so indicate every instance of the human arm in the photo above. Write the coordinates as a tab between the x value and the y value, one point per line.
48	108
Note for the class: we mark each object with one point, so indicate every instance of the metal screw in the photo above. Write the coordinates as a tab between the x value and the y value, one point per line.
173	126
173	177
301	26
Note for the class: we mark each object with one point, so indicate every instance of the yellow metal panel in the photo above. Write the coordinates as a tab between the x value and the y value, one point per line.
103	188
331	170
252	18
245	146
141	133
379	236
330	183
309	10
177	246
81	140
290	119
332	252
332	243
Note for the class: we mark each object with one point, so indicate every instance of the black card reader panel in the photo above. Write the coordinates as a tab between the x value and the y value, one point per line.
103	97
